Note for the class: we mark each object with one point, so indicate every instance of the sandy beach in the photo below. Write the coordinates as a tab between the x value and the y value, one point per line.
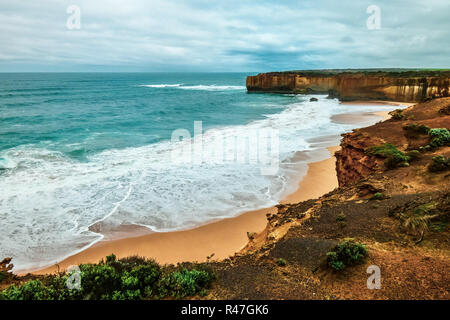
378	103
219	239
222	238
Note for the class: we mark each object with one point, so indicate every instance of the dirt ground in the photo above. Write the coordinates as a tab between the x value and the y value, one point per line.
411	266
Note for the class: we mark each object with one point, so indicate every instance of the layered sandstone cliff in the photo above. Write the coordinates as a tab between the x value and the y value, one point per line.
407	86
354	163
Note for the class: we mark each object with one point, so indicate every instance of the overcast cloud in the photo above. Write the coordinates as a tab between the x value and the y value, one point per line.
197	35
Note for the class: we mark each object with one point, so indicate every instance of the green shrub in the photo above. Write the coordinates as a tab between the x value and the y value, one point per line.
281	262
394	157
439	137
439	163
341	217
51	287
413	130
99	281
345	254
397	114
426	208
128	281
378	196
147	275
180	284
126	295
413	155
111	258
125	279
418	223
440	226
31	290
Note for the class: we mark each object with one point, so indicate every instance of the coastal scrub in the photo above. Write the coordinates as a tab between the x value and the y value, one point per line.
439	137
130	278
346	253
439	163
394	157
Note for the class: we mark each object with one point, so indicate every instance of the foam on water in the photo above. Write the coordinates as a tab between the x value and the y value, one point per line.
213	87
161	85
49	201
196	87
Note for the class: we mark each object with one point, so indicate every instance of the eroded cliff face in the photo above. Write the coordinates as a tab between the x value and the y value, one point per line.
353	163
347	86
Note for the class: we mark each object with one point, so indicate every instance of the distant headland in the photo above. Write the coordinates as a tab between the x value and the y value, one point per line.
406	85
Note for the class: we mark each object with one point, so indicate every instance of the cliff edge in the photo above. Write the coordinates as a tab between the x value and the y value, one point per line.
405	86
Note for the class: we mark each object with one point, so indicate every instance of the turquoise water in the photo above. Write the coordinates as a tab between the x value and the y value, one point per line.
82	154
82	114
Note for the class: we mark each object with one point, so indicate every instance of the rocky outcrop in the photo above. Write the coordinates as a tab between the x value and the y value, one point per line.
354	163
405	86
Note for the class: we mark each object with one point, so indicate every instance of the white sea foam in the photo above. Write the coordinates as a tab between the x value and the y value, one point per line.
196	87
161	85
213	87
48	201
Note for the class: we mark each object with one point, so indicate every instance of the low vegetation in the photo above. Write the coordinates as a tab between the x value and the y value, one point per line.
439	163
397	114
394	157
281	262
439	137
346	253
341	220
341	217
125	279
413	155
414	130
417	218
378	196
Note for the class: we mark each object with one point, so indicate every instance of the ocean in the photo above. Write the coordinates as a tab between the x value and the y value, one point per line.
83	150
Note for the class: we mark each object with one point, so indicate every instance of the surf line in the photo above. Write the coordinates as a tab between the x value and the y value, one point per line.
101	236
130	189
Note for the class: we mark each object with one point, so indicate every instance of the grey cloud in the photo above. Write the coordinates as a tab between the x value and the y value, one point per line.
197	35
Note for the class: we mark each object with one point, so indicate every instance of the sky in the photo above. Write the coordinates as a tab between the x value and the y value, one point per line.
222	36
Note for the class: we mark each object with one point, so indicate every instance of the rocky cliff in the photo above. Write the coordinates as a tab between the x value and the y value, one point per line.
406	86
403	130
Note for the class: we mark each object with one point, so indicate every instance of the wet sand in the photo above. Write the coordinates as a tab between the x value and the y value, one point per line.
378	103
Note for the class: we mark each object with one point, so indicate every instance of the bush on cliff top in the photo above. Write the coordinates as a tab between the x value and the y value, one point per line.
397	114
180	284
439	163
413	130
347	253
394	157
439	137
125	279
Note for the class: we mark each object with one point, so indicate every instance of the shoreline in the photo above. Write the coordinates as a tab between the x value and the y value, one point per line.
222	238
379	103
